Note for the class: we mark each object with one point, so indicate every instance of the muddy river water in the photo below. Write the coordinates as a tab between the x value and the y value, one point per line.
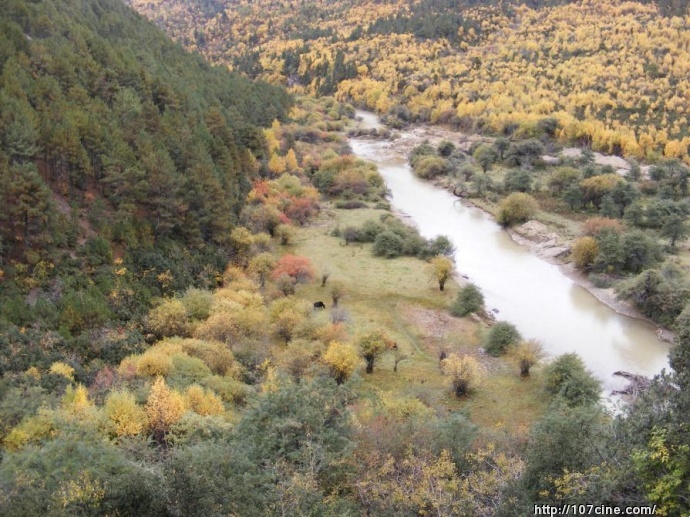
535	295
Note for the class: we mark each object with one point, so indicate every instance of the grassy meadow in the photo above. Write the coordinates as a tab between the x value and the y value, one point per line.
400	296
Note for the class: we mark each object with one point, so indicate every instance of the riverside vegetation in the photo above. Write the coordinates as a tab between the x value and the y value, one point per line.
170	229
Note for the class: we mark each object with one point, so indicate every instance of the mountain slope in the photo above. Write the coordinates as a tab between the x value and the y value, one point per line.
612	74
124	162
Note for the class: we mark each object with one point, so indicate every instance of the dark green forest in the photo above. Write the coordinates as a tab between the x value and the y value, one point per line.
124	163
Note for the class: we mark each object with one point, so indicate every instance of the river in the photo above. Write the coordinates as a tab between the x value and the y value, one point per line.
534	295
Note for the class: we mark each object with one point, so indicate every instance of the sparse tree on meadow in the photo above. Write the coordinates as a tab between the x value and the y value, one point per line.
441	269
337	291
528	353
464	373
469	299
372	345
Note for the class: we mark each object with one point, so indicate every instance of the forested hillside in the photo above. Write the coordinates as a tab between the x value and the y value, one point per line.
208	308
124	164
613	74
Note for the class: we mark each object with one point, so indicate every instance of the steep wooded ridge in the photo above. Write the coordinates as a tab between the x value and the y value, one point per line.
613	75
124	162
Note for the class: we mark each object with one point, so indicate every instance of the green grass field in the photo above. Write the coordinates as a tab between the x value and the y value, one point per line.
400	296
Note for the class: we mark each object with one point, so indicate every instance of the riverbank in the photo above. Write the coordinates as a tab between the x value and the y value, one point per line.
544	299
550	242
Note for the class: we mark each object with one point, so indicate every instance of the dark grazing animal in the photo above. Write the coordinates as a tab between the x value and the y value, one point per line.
319	305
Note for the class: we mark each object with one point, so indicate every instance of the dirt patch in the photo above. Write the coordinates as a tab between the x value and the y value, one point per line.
439	331
621	165
403	142
541	240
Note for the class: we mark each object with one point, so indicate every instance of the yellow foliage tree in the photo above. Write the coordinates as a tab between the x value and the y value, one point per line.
124	417
277	165
585	251
32	429
164	407
342	359
82	495
241	240
168	319
261	266
154	363
410	485
60	368
441	269
464	373
203	402
528	353
291	163
76	400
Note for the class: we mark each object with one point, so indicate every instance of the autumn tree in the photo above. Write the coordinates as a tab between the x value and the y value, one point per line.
342	359
298	268
169	318
594	189
593	226
337	290
241	240
277	165
203	402
371	345
197	303
518	207
287	314
124	416
464	373
261	266
585	251
291	161
527	353
441	269
285	234
164	407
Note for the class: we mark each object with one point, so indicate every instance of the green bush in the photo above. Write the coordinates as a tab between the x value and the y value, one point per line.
518	207
568	379
501	336
369	230
429	167
84	309
197	303
518	180
388	244
470	299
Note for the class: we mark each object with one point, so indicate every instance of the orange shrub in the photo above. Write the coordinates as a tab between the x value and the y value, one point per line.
595	225
298	268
